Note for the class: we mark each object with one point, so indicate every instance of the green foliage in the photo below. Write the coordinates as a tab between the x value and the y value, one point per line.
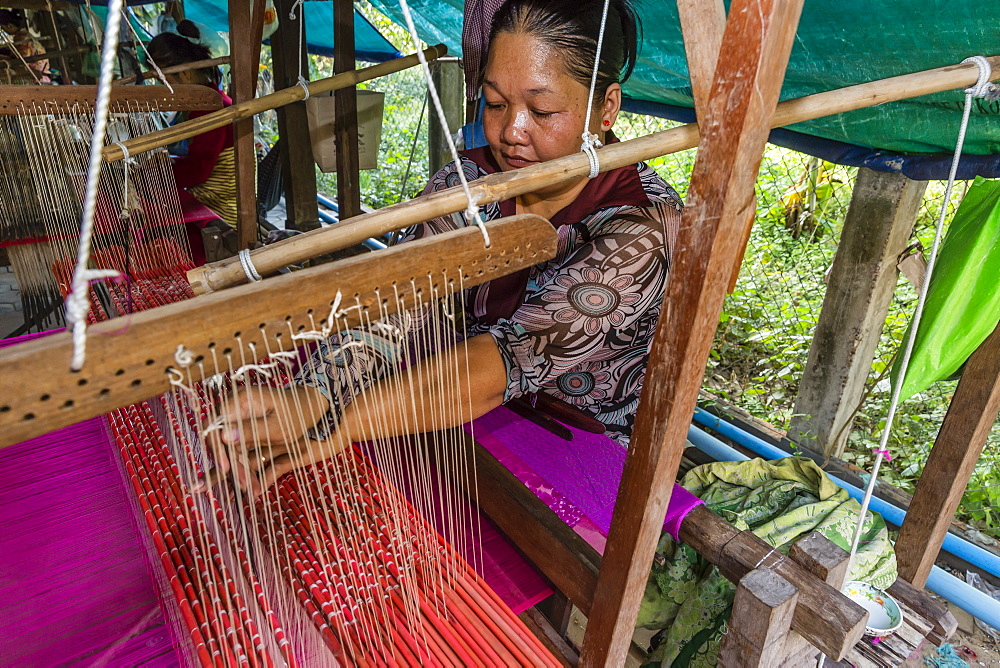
762	342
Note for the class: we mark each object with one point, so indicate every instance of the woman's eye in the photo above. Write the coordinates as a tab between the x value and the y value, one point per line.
543	114
494	105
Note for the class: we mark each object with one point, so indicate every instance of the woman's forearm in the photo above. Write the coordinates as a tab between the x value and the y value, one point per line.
443	391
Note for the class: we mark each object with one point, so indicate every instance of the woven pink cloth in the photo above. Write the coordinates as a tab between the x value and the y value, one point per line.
577	479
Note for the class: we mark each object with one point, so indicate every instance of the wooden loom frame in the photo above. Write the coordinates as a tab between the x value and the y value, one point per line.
715	220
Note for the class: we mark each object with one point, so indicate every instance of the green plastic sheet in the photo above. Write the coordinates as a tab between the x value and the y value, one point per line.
963	299
838	43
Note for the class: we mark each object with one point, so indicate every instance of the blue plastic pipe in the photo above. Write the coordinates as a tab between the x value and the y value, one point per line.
953	544
942	583
373	244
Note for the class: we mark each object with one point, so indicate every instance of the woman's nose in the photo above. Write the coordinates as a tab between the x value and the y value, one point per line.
514	131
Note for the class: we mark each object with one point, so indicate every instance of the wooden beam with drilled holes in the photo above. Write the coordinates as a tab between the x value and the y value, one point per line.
128	357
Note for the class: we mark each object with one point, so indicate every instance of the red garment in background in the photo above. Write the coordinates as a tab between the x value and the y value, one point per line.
195	168
203	151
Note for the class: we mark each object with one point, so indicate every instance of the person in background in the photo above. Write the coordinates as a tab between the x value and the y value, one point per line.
14	23
208	171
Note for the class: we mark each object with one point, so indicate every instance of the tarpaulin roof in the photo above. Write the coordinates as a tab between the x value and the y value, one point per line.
838	43
369	44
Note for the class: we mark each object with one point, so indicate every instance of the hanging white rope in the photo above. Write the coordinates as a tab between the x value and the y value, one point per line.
292	15
983	88
78	303
472	209
590	141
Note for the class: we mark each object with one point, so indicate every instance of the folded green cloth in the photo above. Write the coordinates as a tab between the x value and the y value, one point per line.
780	501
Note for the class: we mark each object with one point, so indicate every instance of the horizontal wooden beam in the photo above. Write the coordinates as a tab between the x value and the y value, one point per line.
16	100
952	461
562	556
823	616
250	108
128	357
176	69
505	185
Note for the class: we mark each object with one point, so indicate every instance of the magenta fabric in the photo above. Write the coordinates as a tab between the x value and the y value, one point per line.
577	479
73	577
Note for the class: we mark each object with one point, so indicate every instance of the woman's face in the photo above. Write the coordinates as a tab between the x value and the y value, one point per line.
534	110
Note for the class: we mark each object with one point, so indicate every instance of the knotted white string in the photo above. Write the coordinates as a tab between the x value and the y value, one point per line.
302	80
77	303
590	140
247	263
982	88
472	216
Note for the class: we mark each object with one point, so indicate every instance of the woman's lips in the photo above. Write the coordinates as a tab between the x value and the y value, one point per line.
517	161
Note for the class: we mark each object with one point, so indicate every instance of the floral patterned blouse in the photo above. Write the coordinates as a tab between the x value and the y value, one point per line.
578	327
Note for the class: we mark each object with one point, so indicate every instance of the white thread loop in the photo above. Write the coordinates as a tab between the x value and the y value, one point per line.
590	146
183	357
251	271
983	86
291	13
590	142
126	156
305	87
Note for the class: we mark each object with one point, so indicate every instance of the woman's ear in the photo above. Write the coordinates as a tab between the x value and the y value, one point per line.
612	105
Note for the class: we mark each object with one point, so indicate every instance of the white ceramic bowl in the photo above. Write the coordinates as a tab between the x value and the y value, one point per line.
884	615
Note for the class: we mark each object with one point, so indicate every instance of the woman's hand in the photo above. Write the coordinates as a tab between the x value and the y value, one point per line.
260	435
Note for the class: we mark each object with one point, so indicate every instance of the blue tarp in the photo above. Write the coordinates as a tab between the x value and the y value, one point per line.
369	44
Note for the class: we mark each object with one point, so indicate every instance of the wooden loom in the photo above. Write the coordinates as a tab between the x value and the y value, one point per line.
713	217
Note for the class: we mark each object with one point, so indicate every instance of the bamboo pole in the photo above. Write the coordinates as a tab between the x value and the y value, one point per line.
504	185
237	112
176	69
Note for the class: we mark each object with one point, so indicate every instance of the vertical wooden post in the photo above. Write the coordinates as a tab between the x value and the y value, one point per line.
243	68
970	417
760	621
756	44
298	167
702	25
863	278
828	562
346	118
446	75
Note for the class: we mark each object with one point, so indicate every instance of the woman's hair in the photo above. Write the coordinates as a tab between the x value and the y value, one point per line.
168	49
570	28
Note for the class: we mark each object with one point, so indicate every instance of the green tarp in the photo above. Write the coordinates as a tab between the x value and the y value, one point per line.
963	299
838	43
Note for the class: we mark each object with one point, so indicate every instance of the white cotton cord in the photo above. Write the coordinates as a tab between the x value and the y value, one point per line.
305	87
302	81
77	303
590	141
177	380
472	216
247	263
985	73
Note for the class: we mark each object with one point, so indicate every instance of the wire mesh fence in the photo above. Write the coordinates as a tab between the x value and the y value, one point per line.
768	321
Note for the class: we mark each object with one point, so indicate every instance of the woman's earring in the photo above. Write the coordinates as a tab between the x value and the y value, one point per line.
607	124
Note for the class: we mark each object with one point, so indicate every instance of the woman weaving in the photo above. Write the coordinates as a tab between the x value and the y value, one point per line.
577	327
